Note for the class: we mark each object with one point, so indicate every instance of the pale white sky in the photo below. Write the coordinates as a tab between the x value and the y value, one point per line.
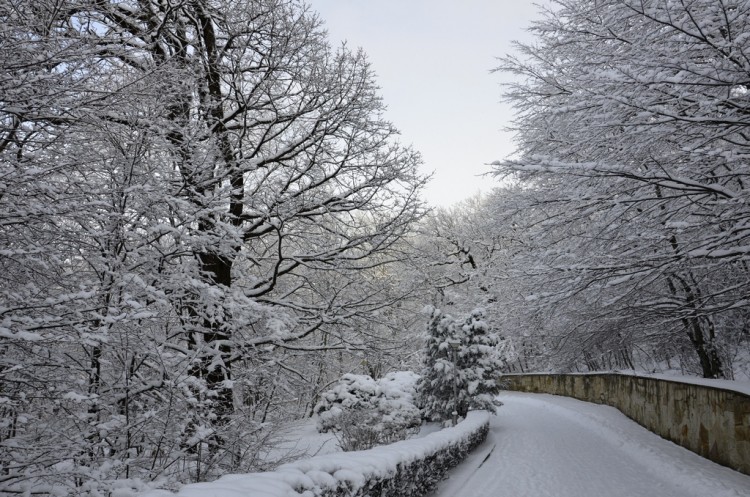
433	60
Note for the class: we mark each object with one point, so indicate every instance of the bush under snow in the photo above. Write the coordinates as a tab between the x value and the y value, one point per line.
367	412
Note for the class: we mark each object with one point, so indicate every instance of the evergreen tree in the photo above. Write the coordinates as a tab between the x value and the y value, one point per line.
479	363
436	389
460	367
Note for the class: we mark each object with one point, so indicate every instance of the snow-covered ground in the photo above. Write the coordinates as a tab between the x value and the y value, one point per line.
539	446
330	467
549	446
301	439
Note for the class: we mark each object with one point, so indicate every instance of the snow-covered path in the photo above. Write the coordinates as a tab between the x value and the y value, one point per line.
550	446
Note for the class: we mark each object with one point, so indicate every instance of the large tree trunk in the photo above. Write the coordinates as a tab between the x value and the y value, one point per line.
215	367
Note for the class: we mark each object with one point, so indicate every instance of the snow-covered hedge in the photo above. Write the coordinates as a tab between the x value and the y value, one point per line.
407	468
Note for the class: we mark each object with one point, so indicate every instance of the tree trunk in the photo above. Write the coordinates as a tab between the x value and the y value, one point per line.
703	344
216	335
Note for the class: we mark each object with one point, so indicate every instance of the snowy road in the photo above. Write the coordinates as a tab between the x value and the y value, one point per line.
549	446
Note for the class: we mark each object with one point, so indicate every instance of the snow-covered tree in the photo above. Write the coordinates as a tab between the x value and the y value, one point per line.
461	367
458	245
632	149
438	387
480	362
182	183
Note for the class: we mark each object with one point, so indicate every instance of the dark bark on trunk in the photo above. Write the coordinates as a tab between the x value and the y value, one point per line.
703	344
217	336
703	341
213	365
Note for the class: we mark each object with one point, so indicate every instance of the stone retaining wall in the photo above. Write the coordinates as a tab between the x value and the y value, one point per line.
712	422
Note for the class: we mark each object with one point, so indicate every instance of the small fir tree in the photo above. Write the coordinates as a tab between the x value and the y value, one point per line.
437	385
480	363
461	367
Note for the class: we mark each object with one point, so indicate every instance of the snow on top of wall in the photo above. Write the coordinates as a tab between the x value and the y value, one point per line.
326	471
731	385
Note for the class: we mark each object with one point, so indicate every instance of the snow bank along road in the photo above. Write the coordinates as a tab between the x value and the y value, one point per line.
548	446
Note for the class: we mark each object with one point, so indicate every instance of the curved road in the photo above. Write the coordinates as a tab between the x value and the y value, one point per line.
548	446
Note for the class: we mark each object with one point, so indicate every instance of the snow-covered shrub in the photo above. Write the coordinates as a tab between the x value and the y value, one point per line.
461	367
397	399
366	412
352	391
362	429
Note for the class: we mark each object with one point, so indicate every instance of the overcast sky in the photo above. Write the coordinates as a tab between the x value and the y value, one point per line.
433	60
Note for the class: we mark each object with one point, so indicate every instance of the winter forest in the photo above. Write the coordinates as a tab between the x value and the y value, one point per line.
208	229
